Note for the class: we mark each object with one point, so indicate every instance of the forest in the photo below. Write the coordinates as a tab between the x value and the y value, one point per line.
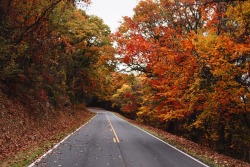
187	65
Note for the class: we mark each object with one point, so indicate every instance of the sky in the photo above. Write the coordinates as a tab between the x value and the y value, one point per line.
112	11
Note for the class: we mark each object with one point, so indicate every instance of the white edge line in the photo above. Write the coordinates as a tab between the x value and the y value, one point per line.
165	143
44	155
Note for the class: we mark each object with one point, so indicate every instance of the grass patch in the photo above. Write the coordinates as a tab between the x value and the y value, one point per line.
23	158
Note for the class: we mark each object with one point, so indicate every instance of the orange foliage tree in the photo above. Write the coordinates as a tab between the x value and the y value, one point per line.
195	57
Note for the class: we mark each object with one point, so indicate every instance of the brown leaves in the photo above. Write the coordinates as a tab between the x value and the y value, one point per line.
20	131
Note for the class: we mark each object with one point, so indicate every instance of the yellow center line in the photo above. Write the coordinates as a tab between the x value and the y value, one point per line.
116	137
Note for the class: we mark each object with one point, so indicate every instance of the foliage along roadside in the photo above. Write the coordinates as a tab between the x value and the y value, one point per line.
52	55
192	57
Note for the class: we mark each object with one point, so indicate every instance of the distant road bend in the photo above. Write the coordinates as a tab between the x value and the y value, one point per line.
107	140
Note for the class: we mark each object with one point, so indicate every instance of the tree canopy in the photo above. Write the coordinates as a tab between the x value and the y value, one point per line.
52	52
194	57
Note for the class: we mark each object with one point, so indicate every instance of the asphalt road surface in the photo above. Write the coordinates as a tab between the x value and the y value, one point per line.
108	141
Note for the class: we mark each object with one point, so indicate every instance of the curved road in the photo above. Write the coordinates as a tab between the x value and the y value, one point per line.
107	140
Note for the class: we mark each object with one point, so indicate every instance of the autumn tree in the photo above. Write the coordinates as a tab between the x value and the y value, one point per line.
52	52
195	56
127	98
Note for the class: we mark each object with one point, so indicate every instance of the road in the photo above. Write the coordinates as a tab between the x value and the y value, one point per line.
107	140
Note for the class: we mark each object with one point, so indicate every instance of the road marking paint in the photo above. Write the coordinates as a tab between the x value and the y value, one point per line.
205	165
116	137
48	152
114	140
